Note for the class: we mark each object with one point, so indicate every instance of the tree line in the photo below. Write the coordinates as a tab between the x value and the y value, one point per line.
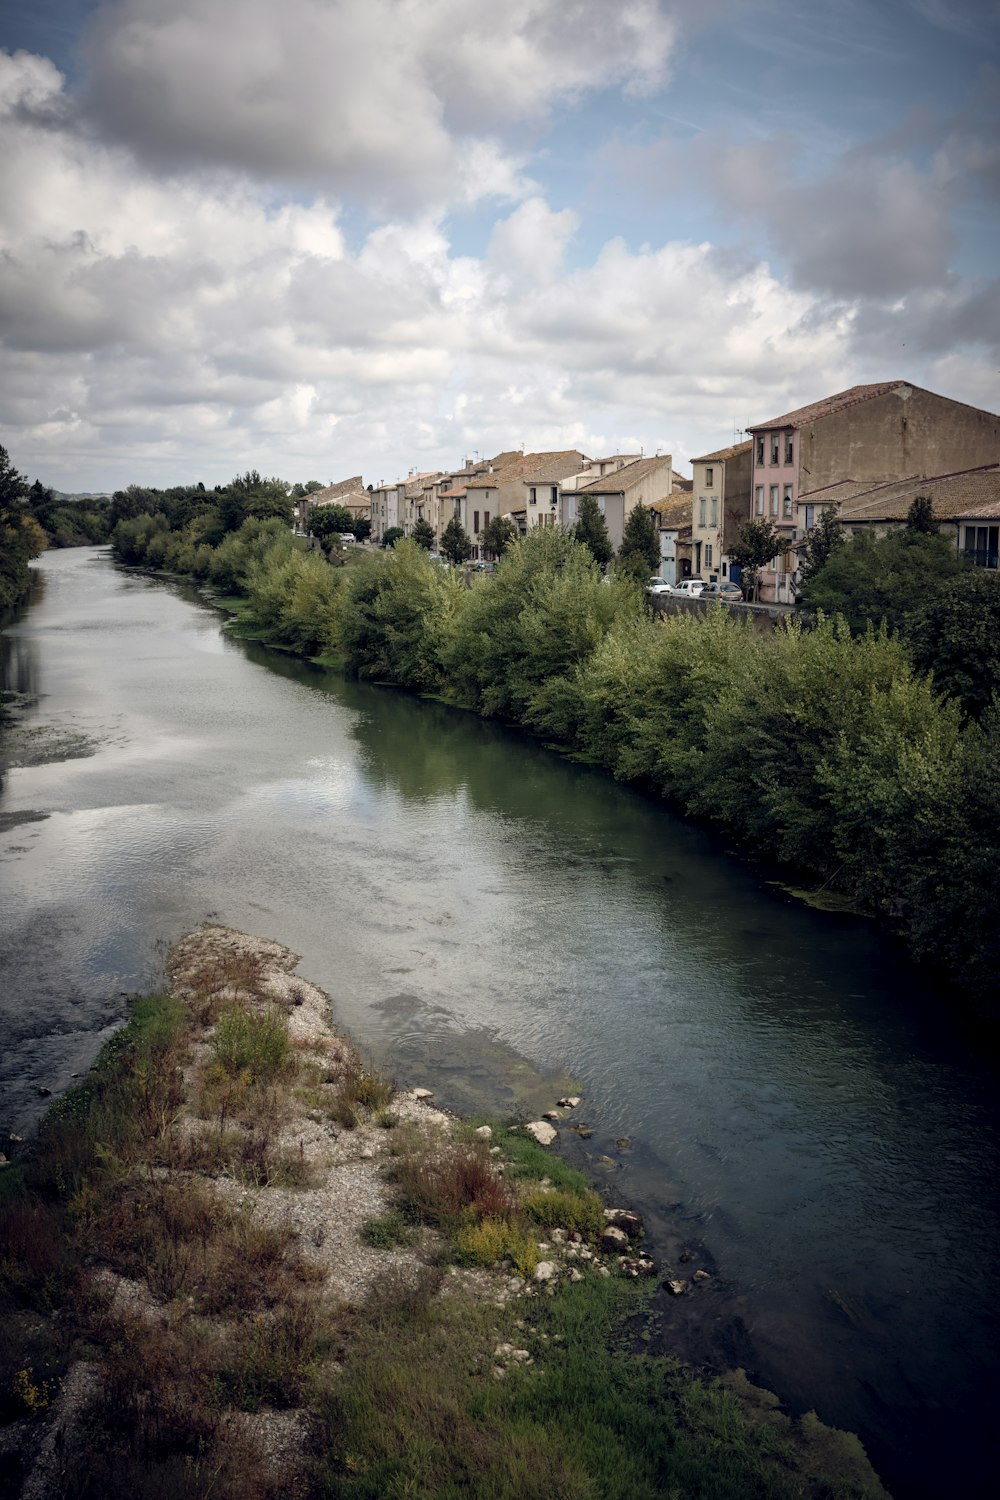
829	747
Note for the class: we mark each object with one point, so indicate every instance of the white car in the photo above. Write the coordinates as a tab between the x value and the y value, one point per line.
658	586
690	588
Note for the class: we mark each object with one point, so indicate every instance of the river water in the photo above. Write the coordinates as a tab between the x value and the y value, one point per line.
494	921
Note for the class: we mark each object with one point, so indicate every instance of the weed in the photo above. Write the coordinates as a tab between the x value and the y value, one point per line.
387	1231
491	1240
578	1213
251	1044
452	1186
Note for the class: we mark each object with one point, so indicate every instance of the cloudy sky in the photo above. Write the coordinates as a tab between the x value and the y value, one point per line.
325	237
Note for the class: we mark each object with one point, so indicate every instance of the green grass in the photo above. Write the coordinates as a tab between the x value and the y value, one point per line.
418	1413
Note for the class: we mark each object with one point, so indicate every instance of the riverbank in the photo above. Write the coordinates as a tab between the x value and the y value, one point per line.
236	1261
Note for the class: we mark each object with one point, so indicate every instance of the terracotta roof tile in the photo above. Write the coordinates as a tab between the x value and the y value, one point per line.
829	404
968	494
616	483
723	453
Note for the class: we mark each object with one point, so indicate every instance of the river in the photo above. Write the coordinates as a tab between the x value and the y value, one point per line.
494	921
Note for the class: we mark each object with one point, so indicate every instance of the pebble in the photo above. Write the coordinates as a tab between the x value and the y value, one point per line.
484	1133
675	1288
542	1132
568	1101
545	1270
701	1276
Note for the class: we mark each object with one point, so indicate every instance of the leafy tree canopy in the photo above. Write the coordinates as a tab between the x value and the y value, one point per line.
330	520
640	548
592	530
423	534
455	543
874	579
822	542
392	536
757	543
498	536
920	516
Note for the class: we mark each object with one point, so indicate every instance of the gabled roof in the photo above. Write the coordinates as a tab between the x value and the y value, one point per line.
830	404
722	454
333	494
969	494
621	480
674	511
532	468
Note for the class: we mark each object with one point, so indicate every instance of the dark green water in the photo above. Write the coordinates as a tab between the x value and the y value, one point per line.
484	915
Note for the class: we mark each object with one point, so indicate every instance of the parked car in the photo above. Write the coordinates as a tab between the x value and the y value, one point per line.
657	586
728	593
690	588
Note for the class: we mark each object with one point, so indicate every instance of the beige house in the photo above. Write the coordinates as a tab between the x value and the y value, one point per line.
350	493
526	487
720	505
642	482
869	434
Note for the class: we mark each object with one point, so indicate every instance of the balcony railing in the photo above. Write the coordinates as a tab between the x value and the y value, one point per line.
983	557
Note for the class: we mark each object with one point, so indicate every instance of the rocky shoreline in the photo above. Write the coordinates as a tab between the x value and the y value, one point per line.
307	1173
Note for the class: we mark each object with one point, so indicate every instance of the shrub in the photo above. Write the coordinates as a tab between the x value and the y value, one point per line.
389	1230
452	1187
579	1213
251	1042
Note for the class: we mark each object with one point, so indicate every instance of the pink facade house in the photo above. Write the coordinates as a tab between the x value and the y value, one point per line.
879	433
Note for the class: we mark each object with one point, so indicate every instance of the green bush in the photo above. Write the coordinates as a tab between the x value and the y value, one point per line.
251	1042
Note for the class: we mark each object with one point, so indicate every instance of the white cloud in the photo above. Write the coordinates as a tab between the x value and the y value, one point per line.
398	102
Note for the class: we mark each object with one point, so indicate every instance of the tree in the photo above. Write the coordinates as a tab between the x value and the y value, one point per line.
423	534
822	542
455	543
330	520
757	543
592	530
19	540
498	536
870	580
392	536
955	633
639	553
920	516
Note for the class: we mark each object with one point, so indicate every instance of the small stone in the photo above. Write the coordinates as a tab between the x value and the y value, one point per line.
623	1142
14	1136
583	1131
521	1356
3	1160
494	1150
639	1265
498	1372
576	1237
545	1270
701	1276
503	1351
606	1161
551	1114
575	1275
603	1271
569	1101
484	1133
44	1092
542	1132
614	1239
571	1252
423	1093
675	1288
559	1236
544	1245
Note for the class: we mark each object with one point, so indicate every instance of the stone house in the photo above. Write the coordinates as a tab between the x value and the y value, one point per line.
673	521
524	486
721	504
966	506
877	433
350	493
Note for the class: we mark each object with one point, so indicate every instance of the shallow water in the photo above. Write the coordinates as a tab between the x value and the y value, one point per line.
493	921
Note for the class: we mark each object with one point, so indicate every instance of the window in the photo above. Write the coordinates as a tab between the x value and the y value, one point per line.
789	448
475	520
786	503
758	496
486	520
709	477
774	447
708	554
982	545
600	505
779	563
571	508
702	503
810	517
760	450
554	494
715	510
773	497
532	496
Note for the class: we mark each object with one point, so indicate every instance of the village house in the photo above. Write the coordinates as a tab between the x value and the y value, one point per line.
525	488
877	433
966	506
673	521
642	482
350	493
721	504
